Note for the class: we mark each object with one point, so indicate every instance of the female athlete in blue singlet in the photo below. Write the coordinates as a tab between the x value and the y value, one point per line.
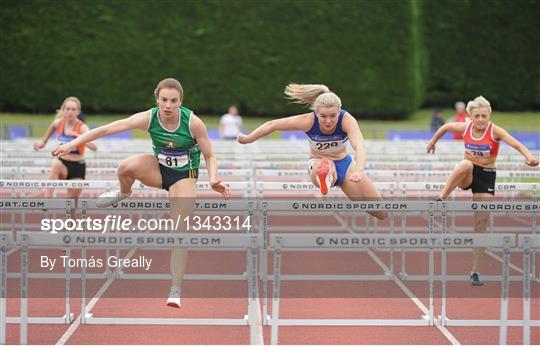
328	128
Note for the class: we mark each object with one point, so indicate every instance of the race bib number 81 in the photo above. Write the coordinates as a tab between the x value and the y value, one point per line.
169	160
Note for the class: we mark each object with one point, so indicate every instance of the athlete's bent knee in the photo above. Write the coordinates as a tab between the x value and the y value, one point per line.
125	169
465	166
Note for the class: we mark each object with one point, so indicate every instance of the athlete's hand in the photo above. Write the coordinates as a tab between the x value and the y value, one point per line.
430	148
39	145
356	176
220	187
243	139
532	161
61	150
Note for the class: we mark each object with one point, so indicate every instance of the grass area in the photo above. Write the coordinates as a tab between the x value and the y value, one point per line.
420	120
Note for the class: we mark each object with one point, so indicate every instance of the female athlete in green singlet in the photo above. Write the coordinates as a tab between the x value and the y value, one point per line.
178	138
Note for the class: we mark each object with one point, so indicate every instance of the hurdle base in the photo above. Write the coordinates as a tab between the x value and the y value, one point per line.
483	322
130	276
385	277
187	277
42	320
166	321
349	322
458	278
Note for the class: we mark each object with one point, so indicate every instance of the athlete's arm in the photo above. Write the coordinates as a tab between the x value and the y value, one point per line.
198	130
350	126
501	134
50	130
454	127
137	121
91	145
301	122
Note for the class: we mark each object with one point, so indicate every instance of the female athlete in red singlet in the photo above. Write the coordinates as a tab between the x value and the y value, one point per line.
477	171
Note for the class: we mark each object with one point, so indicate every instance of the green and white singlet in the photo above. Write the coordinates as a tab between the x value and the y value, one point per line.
175	149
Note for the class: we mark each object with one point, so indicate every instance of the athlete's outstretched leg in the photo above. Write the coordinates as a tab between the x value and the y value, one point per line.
182	196
480	226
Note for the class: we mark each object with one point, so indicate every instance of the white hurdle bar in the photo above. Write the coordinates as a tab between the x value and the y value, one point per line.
397	174
278	156
18	171
329	242
528	244
23	205
148	241
107	163
246	186
391	165
6	242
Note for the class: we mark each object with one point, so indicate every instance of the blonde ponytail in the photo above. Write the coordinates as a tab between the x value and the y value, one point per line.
312	95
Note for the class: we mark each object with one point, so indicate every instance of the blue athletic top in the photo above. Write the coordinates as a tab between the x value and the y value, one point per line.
324	143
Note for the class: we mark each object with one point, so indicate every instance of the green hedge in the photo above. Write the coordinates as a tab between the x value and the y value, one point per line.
112	54
483	47
384	58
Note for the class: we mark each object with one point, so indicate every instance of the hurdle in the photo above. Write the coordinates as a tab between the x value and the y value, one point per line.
509	243
534	188
327	242
66	205
25	204
216	207
528	244
6	242
242	206
329	206
529	207
86	241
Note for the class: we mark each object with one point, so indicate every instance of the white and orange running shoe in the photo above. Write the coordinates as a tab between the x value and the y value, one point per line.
324	177
174	298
